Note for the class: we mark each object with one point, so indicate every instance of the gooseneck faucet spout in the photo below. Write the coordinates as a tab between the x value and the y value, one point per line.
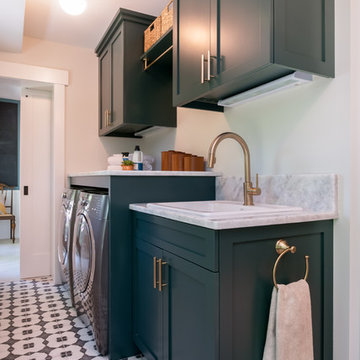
249	191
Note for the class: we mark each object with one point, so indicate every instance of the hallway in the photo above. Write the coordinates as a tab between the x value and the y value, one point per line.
9	260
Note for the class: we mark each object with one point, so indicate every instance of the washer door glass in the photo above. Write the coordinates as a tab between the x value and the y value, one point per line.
64	243
83	254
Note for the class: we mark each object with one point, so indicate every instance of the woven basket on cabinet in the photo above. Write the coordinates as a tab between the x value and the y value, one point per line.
167	17
152	33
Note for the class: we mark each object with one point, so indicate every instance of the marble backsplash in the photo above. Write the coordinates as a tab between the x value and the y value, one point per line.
313	192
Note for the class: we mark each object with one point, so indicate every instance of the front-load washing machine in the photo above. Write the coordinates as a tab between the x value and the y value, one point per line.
90	264
69	202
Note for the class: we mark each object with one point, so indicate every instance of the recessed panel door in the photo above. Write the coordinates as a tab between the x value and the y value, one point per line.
117	78
105	90
35	184
194	39
148	314
245	37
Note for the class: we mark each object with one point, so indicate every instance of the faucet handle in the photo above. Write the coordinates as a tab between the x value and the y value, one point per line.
257	189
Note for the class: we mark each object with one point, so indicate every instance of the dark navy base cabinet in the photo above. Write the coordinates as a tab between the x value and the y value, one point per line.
216	287
124	190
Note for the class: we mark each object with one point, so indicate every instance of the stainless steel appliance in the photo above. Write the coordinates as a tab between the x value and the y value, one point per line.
90	264
69	202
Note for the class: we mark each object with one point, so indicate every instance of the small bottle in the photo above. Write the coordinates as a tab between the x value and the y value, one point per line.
125	156
138	158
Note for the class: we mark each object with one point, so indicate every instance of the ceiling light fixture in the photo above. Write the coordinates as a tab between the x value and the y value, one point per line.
73	7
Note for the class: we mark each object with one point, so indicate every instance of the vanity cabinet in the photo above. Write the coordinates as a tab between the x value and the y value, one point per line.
224	47
216	287
130	100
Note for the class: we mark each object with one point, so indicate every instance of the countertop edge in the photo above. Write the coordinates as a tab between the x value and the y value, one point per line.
251	221
145	173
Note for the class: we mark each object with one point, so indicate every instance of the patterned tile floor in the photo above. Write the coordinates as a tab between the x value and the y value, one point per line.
37	322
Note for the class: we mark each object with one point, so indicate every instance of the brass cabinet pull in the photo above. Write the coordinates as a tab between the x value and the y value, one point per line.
154	263
208	66
202	68
209	57
107	118
161	285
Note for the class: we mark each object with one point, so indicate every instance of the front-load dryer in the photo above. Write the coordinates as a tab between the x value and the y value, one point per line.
90	264
69	202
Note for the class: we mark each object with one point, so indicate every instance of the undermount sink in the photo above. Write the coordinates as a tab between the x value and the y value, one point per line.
221	209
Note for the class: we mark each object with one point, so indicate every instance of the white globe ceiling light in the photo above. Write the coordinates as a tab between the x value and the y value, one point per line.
73	7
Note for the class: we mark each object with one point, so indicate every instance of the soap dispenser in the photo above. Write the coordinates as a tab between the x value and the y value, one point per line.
138	158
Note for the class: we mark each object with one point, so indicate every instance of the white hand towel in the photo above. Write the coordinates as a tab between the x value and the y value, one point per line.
289	334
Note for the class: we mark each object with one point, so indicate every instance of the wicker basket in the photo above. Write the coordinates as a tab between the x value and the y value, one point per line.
167	17
152	33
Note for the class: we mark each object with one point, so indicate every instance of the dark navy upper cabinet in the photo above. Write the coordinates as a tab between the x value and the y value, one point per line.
224	47
130	100
216	287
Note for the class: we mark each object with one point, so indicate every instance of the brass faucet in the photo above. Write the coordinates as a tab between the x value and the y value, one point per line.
249	191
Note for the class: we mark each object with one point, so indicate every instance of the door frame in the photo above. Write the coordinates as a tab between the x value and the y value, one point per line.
58	79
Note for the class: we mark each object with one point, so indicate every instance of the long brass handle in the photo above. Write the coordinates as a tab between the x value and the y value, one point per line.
208	60
161	285
208	66
106	118
154	271
202	68
109	117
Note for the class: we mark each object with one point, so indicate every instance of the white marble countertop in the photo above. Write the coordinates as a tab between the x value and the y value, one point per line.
145	173
241	222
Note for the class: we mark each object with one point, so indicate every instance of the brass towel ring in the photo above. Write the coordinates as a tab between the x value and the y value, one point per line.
282	248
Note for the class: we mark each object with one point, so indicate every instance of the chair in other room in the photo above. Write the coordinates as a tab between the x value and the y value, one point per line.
6	207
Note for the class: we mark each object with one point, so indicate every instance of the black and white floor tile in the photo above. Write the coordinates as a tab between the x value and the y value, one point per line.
37	322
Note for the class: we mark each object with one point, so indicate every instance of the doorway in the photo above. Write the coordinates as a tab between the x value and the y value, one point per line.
28	76
30	254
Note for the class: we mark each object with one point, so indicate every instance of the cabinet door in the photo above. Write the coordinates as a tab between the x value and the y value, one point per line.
304	35
105	89
194	35
245	38
246	264
148	321
117	77
191	300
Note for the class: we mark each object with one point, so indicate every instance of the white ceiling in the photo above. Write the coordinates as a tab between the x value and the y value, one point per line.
44	19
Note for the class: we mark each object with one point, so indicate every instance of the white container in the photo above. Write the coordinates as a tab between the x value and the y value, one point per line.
138	158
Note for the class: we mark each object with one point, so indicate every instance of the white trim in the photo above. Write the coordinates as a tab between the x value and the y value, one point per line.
33	73
58	170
